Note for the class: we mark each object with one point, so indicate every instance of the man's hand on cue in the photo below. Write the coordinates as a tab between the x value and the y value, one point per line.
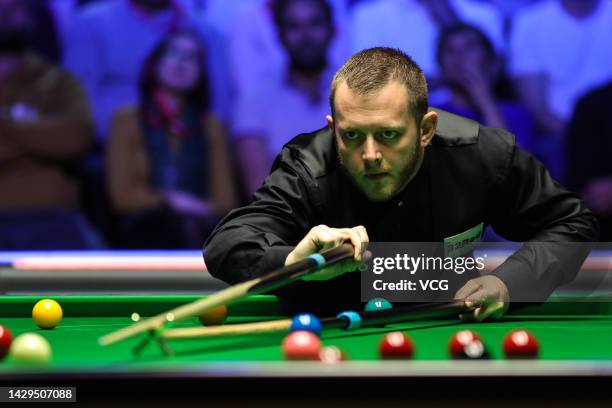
487	296
321	238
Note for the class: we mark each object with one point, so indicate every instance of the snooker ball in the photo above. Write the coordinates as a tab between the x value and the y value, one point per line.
30	348
396	345
377	304
5	341
331	355
301	345
520	344
306	321
214	317
459	341
47	313
474	350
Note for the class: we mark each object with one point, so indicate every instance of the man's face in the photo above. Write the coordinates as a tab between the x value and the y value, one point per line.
306	33
378	140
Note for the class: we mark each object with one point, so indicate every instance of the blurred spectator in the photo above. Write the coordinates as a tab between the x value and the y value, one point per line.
294	103
220	14
413	25
39	23
559	50
589	148
168	165
256	52
45	129
479	88
508	8
63	11
109	41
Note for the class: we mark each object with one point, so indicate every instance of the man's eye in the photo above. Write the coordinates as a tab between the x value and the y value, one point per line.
350	135
390	134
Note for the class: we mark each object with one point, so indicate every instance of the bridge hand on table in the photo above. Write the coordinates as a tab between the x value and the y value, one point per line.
486	296
321	238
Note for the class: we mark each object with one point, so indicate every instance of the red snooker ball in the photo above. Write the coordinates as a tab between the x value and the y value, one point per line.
520	344
459	340
5	341
301	345
396	345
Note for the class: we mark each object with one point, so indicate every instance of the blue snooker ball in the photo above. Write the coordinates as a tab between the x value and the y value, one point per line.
378	304
306	321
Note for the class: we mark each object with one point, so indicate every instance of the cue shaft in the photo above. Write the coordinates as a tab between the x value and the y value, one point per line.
273	280
373	318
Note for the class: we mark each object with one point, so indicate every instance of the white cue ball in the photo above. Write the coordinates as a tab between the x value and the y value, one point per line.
30	348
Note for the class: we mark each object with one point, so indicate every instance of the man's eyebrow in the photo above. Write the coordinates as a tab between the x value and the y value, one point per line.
373	126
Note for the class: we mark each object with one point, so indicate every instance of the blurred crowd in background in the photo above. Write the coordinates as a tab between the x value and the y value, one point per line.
139	123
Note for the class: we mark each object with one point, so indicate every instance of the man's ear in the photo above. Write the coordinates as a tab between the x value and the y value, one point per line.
330	122
428	128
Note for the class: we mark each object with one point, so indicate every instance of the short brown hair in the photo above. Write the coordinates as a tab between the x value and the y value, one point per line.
372	68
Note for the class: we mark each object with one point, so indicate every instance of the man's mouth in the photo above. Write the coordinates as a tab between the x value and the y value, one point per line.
376	176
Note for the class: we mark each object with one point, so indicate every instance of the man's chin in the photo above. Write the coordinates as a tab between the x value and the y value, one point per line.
377	195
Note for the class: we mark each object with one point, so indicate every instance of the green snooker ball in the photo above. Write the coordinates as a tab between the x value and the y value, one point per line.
378	304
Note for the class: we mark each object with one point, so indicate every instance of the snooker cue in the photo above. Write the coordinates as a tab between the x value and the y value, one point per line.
275	279
368	319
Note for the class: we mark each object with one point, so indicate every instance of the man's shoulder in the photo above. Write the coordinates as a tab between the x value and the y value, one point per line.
471	145
315	150
457	131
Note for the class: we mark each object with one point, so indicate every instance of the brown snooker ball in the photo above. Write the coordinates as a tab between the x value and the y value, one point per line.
214	317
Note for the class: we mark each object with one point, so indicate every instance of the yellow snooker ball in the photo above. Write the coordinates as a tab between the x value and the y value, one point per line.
47	313
30	348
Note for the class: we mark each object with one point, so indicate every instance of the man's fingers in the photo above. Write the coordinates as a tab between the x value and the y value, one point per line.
363	235
482	313
487	295
324	237
468	289
490	311
482	296
486	311
499	308
353	235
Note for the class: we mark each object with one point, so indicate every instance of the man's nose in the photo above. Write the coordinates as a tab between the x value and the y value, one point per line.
371	152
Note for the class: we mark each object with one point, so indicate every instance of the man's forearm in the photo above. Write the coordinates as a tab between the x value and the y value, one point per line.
236	254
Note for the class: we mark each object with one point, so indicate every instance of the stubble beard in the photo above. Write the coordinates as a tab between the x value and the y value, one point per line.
410	170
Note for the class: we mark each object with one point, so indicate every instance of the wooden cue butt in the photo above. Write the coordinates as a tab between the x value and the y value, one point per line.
229	329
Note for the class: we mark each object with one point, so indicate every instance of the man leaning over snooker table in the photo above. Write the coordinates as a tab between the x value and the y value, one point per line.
388	169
